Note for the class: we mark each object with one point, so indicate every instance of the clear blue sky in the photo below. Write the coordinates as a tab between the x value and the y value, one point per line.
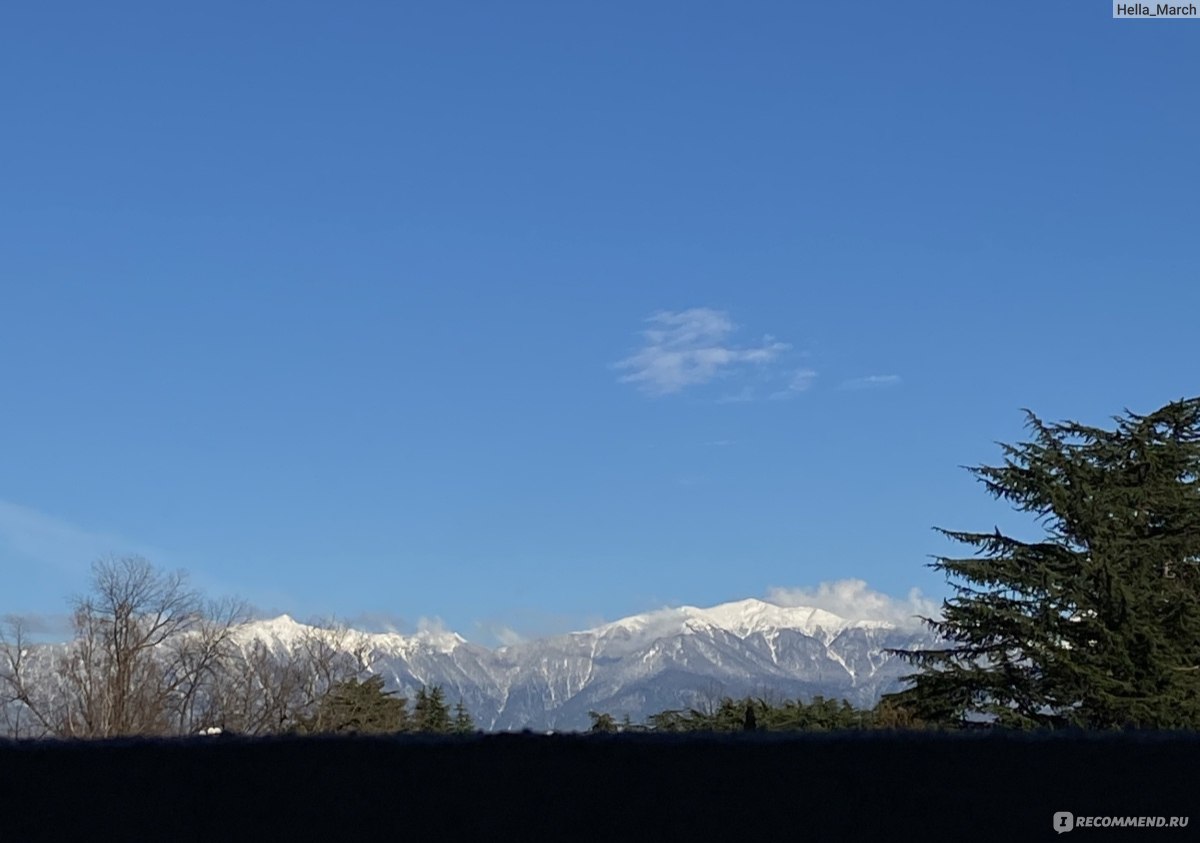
531	314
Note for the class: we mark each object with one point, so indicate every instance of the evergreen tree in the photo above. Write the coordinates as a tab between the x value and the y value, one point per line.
756	714
667	721
602	722
1096	625
888	714
463	725
729	716
420	712
430	712
749	719
363	707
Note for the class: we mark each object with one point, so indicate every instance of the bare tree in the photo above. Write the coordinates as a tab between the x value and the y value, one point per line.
201	659
268	690
149	656
146	650
25	707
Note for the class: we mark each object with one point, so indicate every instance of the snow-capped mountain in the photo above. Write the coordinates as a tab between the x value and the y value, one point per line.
672	658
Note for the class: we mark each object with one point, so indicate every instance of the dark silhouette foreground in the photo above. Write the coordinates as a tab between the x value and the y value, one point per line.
653	787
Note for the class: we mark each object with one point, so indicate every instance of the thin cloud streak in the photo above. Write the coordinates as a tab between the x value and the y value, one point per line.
871	382
385	622
741	397
503	635
42	538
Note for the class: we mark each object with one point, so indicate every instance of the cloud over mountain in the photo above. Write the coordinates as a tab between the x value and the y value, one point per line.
854	600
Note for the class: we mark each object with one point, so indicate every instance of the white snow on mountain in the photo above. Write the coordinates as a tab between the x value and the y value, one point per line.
669	658
286	632
741	618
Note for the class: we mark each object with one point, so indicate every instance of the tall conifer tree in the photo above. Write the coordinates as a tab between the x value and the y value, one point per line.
1096	625
463	724
431	712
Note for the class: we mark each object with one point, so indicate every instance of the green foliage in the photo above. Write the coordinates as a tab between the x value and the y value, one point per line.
756	714
463	724
890	714
430	712
820	715
666	721
365	708
359	707
602	722
1097	625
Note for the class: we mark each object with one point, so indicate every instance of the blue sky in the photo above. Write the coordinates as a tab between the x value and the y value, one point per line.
520	316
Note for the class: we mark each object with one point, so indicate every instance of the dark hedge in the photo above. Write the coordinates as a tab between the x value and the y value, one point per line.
848	786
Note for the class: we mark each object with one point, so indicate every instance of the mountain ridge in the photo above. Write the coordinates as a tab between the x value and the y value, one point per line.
675	657
740	616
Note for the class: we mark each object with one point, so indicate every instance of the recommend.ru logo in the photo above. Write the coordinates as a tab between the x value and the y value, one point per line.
1066	821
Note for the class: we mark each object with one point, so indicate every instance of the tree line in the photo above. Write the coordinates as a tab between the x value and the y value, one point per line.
366	708
757	714
150	656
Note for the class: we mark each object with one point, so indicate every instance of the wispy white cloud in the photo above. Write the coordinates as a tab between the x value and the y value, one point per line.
854	600
432	626
801	381
525	625
690	347
871	382
379	622
506	635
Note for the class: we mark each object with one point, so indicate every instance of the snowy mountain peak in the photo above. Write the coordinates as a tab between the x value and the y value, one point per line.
741	617
441	639
285	631
281	630
748	616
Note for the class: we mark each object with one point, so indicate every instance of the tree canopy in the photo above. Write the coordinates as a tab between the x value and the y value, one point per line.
360	707
1097	624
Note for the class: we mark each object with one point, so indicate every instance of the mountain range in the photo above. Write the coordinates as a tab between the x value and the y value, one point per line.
675	658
